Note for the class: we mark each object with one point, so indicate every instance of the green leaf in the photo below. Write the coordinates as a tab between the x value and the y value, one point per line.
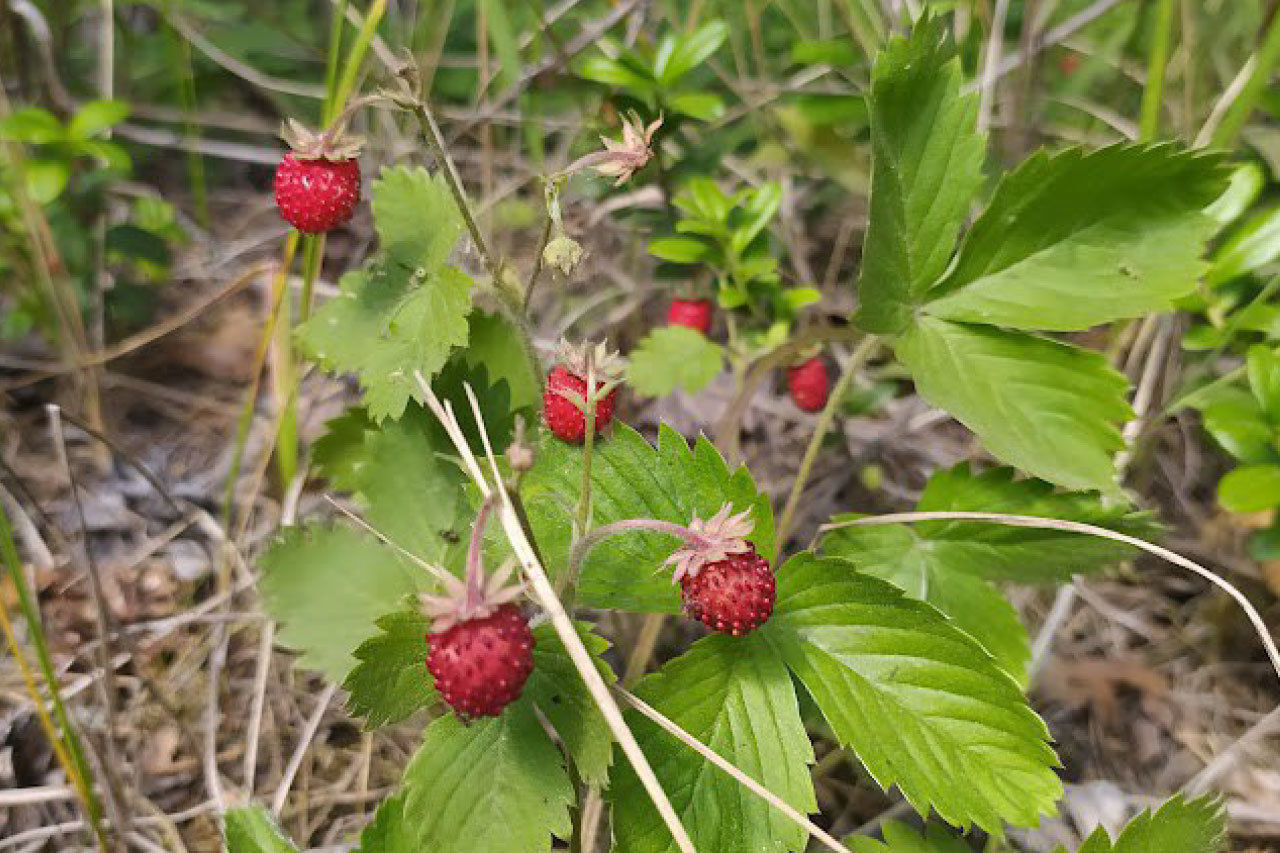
1236	421
493	785
632	479
899	838
32	125
1251	488
327	586
391	681
1255	245
45	179
1044	406
1075	239
735	696
679	250
920	702
389	831
557	689
949	564
415	216
1180	826
95	117
704	106
1246	182
838	51
494	399
250	829
927	165
610	72
760	208
496	344
690	51
674	357
385	324
823	110
1263	368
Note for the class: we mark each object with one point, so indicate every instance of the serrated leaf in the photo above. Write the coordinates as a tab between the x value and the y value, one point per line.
1180	826
386	323
948	564
927	165
735	696
493	785
1074	239
338	454
327	586
391	681
1046	407
494	343
494	397
674	357
630	478
389	832
559	692
250	829
415	216
899	838
920	702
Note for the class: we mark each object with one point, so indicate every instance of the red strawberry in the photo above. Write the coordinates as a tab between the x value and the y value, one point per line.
809	384
318	182
725	584
480	665
567	380
693	313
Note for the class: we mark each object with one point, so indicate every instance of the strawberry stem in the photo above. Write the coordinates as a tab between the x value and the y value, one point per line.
475	574
590	540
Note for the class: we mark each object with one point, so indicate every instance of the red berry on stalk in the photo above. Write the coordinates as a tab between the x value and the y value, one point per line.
318	182
480	648
693	313
809	384
566	390
724	583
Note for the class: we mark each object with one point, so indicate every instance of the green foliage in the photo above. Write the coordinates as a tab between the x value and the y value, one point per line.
922	705
673	357
493	785
404	312
657	77
1247	425
950	564
1180	826
899	838
558	691
389	831
735	696
391	681
60	147
250	829
632	479
327	586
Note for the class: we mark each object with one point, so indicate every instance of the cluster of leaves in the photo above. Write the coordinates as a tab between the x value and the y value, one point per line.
1246	423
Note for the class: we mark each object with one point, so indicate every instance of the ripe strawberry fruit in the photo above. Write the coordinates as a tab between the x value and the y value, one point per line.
480	664
724	583
693	313
318	182
809	384
566	385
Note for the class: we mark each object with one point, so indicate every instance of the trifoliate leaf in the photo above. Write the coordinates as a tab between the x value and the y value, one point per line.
735	696
1074	239
493	785
327	586
674	357
415	216
387	322
389	832
1180	826
899	838
559	692
1046	407
251	829
632	479
391	681
922	705
927	165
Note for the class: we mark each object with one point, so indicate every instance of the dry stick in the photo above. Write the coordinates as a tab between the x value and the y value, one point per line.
116	796
995	45
1222	761
560	620
300	751
1037	523
728	767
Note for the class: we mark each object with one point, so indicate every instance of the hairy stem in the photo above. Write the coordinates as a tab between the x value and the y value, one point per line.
588	541
475	576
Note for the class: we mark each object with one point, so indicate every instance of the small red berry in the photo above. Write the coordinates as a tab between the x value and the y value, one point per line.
693	313
317	195
809	384
566	384
480	665
734	595
1071	63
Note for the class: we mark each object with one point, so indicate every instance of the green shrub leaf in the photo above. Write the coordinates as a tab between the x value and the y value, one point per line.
559	692
250	829
920	702
1049	408
389	831
674	357
1180	826
391	681
899	838
734	695
927	165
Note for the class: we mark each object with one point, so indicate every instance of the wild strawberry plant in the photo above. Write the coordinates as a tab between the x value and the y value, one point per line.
887	636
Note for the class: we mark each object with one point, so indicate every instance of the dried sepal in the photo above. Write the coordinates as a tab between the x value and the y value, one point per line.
715	539
622	158
606	365
455	604
308	144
